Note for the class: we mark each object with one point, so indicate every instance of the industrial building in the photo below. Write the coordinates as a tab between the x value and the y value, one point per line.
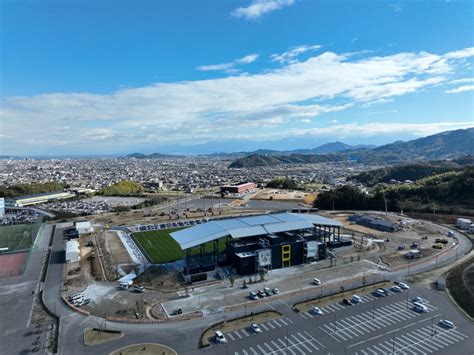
72	251
84	227
239	188
463	223
41	198
374	223
255	243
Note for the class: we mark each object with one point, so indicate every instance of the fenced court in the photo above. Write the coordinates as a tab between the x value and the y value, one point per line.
18	237
12	264
16	242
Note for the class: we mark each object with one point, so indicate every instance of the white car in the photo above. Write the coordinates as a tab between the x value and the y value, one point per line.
317	311
418	300
418	307
220	338
396	289
316	281
446	323
403	286
356	299
276	291
255	328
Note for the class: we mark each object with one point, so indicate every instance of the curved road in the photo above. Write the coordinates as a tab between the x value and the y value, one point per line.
183	336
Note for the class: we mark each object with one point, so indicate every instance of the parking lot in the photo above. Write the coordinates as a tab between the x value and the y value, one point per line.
376	325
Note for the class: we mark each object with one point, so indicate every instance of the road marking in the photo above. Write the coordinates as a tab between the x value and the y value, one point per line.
253	350
264	326
314	339
275	322
271	325
238	334
394	330
286	304
281	320
230	336
289	320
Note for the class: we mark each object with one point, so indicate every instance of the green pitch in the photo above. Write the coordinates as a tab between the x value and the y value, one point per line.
161	248
16	237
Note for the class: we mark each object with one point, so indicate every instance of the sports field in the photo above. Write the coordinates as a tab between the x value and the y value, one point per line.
16	237
161	248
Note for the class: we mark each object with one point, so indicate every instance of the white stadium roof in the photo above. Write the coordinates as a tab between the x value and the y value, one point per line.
242	227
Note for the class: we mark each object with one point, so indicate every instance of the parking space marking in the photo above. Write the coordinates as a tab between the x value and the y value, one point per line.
270	325
264	326
289	320
424	340
230	336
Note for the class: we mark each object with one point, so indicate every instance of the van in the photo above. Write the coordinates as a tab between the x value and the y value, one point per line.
220	338
139	288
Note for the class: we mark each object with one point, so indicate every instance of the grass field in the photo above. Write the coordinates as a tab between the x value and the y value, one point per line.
16	237
161	248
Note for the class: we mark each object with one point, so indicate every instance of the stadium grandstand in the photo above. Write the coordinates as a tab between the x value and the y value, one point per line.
256	243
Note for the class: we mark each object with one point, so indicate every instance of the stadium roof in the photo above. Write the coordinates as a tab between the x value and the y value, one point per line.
242	227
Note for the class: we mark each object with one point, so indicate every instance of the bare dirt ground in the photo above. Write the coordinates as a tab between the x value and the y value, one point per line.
281	195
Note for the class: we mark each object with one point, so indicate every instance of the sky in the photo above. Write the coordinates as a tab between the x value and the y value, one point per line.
193	77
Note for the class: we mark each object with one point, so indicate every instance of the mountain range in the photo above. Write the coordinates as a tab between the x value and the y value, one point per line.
444	145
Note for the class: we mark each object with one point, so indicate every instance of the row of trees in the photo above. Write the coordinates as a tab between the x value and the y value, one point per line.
30	189
283	183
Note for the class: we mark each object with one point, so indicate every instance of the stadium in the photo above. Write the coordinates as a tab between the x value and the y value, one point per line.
249	244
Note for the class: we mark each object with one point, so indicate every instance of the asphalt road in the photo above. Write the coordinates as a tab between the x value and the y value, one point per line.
183	336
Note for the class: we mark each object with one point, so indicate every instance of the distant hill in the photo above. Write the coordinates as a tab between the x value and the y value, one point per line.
333	147
150	156
445	145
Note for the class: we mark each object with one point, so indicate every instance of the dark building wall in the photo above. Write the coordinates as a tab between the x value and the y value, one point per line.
246	266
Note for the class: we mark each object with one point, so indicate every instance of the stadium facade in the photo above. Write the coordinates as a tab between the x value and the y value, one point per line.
256	243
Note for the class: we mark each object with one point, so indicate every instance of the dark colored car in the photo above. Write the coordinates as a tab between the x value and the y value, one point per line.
347	302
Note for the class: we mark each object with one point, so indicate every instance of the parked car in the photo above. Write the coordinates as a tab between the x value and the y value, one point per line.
317	311
253	296
276	291
356	299
442	241
414	245
403	286
379	293
418	307
139	288
450	234
401	247
220	338
261	293
418	300
446	323
396	289
255	328
177	311
347	302
438	246
267	291
316	281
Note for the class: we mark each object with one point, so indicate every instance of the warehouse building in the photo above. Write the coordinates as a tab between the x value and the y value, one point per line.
256	243
41	198
72	251
375	223
239	188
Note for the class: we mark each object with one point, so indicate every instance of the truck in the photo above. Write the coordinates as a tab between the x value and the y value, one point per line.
124	285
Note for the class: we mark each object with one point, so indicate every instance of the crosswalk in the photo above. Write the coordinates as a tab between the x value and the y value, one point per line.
334	307
364	323
423	341
299	343
266	326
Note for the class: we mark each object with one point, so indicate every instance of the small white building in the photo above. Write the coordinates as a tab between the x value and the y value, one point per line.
2	206
84	227
72	251
463	223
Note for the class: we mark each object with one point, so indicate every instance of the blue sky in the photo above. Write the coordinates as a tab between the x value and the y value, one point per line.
82	77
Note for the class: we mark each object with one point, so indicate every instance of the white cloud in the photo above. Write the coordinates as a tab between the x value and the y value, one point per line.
258	8
462	81
459	89
230	66
291	55
274	101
